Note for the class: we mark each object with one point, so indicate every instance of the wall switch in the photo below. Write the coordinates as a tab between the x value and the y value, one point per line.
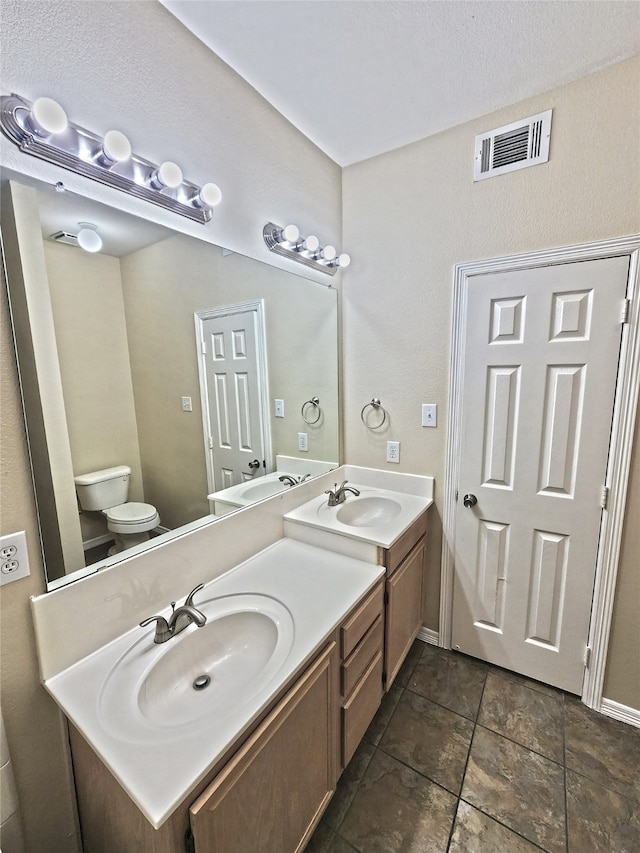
186	404
303	441
14	560
429	415
393	451
278	408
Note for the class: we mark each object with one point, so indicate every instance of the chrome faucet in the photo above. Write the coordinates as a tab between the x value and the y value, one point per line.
293	481
179	619
338	494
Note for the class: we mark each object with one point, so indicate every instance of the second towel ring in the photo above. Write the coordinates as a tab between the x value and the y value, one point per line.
315	402
376	405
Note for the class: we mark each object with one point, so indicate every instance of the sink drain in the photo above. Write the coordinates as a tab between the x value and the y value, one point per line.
201	682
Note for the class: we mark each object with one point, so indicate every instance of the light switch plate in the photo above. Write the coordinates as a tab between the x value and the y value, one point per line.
429	415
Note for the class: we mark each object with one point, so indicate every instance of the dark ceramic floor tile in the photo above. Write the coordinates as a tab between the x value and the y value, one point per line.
531	718
397	809
517	787
450	679
383	715
599	820
528	682
429	738
348	785
339	845
412	658
475	832
605	750
321	839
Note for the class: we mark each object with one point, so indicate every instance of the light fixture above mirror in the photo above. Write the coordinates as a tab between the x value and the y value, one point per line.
42	129
306	250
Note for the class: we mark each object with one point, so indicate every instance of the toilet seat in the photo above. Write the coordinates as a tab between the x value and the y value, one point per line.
132	517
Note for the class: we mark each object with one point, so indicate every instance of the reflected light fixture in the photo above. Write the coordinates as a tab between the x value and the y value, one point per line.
88	237
42	129
306	250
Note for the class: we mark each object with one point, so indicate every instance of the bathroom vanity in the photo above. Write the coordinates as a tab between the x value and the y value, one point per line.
315	626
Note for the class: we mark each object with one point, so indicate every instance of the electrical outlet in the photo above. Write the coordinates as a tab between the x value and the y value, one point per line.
186	404
14	560
303	441
278	408
393	451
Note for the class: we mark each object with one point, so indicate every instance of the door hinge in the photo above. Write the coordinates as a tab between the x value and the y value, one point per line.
587	657
626	310
210	443
189	842
604	497
203	347
386	597
456	496
384	678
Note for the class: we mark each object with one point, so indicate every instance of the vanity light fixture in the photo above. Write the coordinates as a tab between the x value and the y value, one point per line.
306	250
42	129
88	237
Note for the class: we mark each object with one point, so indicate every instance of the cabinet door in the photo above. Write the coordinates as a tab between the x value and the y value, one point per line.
404	610
271	794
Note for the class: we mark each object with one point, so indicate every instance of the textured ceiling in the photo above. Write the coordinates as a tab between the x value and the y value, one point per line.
360	77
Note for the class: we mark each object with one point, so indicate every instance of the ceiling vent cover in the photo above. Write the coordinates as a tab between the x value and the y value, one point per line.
64	237
515	146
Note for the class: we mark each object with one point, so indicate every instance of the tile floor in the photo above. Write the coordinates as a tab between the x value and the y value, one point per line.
463	757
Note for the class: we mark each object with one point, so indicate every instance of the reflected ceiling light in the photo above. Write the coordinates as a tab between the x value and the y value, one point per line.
41	129
88	237
47	117
305	250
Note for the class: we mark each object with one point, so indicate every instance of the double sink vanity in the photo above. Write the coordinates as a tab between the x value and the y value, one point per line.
231	735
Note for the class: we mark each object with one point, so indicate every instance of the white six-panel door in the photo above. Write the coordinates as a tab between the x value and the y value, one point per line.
540	367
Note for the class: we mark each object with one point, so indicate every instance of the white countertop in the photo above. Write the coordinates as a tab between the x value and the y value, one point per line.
318	588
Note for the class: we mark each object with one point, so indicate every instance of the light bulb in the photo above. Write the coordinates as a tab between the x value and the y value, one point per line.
311	244
209	196
88	237
168	174
328	253
289	234
116	148
46	117
344	260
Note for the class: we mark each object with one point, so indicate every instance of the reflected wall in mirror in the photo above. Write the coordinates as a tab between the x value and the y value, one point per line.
109	360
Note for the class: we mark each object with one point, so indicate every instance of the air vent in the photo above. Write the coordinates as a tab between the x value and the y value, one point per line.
515	146
64	237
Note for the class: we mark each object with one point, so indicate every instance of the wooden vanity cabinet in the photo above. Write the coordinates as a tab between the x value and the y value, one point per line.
271	794
404	563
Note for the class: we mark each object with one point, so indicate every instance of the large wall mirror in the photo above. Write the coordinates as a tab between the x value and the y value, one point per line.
190	366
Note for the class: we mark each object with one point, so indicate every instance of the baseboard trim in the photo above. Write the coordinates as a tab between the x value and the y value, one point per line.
620	712
427	635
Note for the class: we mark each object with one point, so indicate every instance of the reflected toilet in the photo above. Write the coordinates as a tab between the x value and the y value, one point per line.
106	491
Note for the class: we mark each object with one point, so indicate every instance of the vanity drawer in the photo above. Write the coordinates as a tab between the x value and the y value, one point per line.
359	623
357	662
360	708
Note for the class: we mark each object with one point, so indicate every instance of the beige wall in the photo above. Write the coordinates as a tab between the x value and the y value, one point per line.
91	339
411	214
164	285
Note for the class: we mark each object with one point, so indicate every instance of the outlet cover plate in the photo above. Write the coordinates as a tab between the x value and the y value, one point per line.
14	560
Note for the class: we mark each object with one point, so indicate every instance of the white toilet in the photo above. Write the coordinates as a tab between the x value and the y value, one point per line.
106	491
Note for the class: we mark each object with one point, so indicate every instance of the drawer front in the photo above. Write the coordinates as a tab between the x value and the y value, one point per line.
358	660
359	623
360	708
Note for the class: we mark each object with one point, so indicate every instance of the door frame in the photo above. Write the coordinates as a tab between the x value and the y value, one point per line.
620	447
200	317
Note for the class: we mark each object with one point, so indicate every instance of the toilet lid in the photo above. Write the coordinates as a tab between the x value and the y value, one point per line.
131	513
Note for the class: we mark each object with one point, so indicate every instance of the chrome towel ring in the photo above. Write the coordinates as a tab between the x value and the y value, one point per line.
377	407
314	402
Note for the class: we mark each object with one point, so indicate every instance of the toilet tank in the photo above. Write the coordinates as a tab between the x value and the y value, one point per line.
103	489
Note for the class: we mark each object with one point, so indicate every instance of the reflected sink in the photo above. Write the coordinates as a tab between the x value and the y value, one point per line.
258	491
368	511
163	689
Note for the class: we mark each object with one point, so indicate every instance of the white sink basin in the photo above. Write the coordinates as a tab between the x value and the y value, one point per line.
367	511
154	690
258	491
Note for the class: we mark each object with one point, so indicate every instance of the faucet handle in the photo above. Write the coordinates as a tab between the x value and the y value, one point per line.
163	631
189	599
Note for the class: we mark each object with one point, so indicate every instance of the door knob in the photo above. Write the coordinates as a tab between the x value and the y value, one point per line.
469	500
254	465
